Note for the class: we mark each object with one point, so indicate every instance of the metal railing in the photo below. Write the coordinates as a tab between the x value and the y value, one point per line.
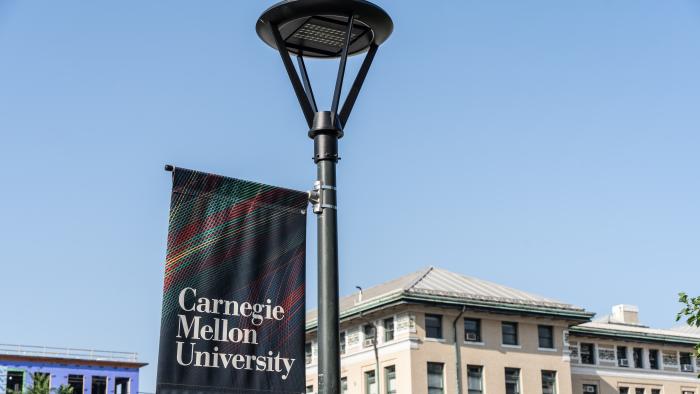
62	352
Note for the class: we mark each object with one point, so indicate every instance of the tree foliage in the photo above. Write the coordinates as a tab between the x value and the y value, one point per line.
64	389
690	312
41	384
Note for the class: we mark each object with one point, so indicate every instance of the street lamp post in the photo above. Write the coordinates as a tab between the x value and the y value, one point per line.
326	29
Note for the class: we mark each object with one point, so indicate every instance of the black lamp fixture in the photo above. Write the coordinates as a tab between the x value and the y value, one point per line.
325	29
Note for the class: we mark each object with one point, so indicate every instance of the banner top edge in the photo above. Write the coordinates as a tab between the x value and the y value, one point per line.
175	170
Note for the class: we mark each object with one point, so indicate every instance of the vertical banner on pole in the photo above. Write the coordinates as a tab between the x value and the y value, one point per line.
234	298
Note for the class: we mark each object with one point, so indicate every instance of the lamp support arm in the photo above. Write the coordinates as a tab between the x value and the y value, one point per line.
357	84
304	102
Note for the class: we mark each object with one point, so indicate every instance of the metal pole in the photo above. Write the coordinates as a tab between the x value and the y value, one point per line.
376	358
326	128
326	131
326	157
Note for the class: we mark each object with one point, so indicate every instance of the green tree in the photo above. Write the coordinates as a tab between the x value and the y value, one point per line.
64	389
41	384
690	312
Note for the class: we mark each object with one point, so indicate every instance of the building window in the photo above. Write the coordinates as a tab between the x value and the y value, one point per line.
622	357
15	381
655	391
590	389
587	353
688	392
309	389
549	382
307	352
512	381
343	385
98	385
653	359
686	362
342	342
509	333
433	326
369	332
389	329
76	381
390	379
639	390
121	386
475	379
370	383
472	330
637	356
436	382
624	390
670	358
546	337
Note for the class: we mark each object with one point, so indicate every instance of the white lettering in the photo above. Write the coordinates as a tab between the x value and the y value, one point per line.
179	354
193	327
181	299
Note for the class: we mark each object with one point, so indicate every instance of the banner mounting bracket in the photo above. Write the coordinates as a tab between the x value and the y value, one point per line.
316	197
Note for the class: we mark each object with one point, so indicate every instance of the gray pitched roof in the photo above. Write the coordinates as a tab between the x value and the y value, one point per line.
440	283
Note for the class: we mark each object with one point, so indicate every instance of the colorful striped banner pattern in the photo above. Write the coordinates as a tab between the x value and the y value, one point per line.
241	242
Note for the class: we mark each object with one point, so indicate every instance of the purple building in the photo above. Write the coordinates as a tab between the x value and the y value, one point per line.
87	371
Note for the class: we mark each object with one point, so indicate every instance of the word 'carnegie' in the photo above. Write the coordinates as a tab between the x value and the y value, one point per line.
257	313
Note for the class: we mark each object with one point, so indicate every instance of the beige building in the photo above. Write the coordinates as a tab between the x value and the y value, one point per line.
435	331
616	354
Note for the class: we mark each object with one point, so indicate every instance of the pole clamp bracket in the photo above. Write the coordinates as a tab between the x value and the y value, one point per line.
316	197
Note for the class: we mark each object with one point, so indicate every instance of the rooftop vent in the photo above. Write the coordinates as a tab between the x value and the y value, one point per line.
625	314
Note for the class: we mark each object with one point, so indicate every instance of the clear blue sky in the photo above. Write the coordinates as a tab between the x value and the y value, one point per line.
546	145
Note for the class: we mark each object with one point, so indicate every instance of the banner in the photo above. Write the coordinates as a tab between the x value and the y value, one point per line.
233	298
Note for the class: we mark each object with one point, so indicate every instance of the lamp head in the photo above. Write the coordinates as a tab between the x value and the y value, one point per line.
317	28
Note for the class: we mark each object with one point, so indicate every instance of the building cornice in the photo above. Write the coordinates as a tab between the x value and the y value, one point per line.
503	307
633	336
370	305
72	361
406	297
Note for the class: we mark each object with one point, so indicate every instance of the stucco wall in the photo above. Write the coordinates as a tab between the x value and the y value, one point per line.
411	351
490	354
609	377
